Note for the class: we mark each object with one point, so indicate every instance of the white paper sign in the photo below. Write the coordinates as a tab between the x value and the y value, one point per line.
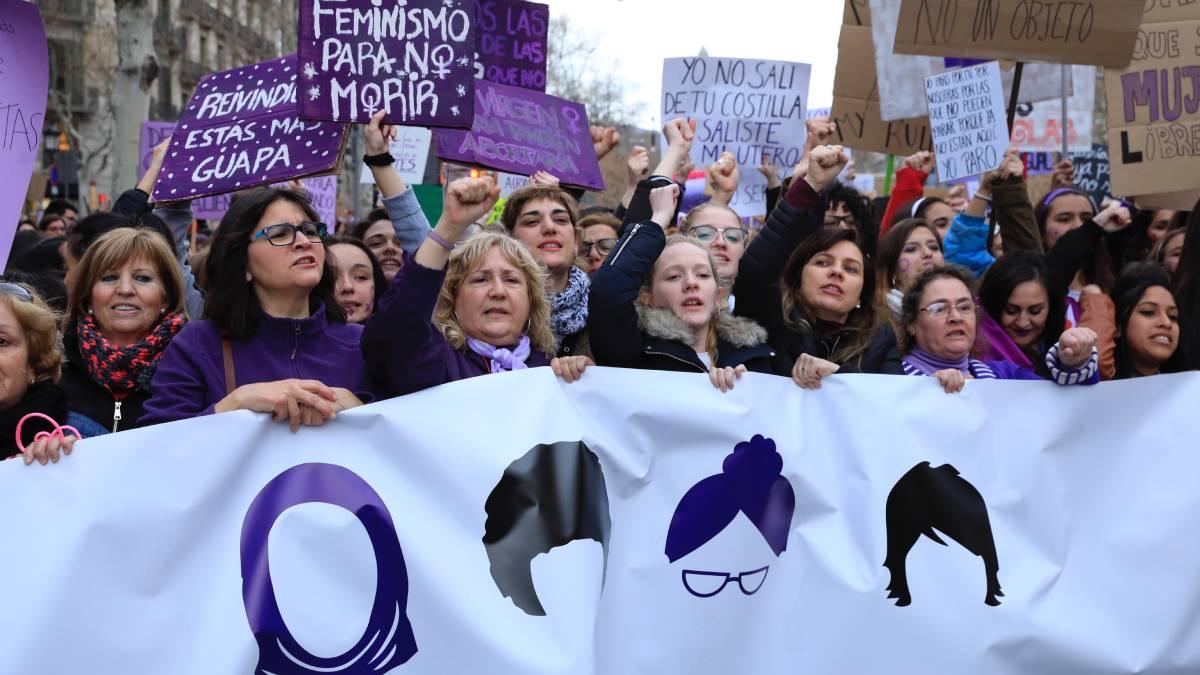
1038	127
967	116
747	107
411	150
900	76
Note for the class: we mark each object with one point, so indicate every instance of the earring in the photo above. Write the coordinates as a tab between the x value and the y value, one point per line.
858	306
163	310
90	311
249	278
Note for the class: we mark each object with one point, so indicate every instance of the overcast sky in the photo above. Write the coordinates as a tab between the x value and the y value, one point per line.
639	34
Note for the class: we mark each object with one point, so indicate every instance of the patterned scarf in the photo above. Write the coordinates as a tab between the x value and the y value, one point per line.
121	370
569	309
927	363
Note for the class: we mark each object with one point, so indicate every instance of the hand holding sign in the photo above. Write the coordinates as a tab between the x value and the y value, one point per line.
1012	164
604	139
377	136
543	179
824	164
146	184
1063	176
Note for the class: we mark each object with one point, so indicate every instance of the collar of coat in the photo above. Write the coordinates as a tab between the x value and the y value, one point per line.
662	323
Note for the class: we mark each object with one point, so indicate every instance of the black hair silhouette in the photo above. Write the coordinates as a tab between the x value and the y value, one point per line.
925	499
553	495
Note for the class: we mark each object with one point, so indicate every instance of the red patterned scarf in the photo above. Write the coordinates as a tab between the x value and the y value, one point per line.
121	370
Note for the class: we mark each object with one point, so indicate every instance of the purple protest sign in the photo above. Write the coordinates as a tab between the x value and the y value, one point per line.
322	192
24	78
512	43
240	130
414	59
522	131
153	133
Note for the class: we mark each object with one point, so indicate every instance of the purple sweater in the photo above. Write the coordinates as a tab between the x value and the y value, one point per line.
404	350
190	379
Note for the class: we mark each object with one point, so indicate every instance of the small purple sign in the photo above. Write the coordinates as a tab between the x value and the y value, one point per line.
512	43
414	58
240	130
153	133
24	81
522	131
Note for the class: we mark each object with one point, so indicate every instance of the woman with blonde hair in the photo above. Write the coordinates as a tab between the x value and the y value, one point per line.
458	310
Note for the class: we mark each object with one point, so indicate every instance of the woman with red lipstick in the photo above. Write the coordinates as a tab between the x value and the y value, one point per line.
1147	321
655	304
939	320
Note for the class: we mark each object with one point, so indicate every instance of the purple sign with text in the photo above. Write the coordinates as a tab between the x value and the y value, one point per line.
240	130
522	131
415	59
24	78
512	43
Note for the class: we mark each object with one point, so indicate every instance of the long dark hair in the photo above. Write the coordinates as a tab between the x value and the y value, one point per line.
381	282
232	304
1127	292
860	326
860	208
1187	294
1005	275
890	248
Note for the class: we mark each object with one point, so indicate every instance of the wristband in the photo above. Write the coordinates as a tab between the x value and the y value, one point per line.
980	195
441	241
382	159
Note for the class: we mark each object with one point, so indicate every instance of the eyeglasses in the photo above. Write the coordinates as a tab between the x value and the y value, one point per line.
832	220
707	233
938	310
602	245
701	584
16	290
284	234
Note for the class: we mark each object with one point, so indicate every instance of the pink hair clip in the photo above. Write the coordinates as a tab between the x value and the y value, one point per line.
59	431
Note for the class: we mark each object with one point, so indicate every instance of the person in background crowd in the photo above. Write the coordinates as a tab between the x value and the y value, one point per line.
938	332
1168	251
63	209
26	224
127	304
678	322
1147	321
909	248
52	226
273	338
718	229
1147	229
1061	211
43	267
820	280
377	232
934	211
849	210
1078	256
462	310
972	242
361	281
1023	314
544	218
600	234
29	369
23	240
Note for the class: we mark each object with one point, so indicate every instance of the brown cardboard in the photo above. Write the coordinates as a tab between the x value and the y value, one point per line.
1086	32
857	13
1177	201
1150	154
856	100
36	191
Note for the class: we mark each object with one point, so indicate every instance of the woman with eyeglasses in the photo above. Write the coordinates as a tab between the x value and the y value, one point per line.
939	319
719	230
600	234
273	338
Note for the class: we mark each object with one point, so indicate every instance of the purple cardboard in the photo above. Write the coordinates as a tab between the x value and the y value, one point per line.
513	43
522	131
153	133
415	59
240	130
24	82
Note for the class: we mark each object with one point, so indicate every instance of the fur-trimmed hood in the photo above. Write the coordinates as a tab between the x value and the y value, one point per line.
662	323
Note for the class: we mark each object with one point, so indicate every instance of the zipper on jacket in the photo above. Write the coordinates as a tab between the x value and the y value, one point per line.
625	243
116	415
296	344
672	356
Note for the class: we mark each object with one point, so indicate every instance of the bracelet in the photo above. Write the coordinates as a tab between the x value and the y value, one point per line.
440	241
986	198
382	159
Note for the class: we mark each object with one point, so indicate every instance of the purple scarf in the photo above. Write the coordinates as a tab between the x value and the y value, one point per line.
500	358
1000	346
929	364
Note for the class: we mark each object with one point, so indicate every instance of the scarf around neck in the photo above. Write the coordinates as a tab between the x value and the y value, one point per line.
1000	346
121	370
895	301
502	359
569	309
929	364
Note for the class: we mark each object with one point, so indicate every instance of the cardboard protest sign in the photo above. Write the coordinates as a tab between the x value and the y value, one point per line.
240	130
513	43
1154	106
1092	32
1039	127
967	115
902	77
153	133
744	106
414	59
856	95
24	81
411	150
523	131
1092	172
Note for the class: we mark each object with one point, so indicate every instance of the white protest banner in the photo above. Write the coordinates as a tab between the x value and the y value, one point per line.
901	77
744	106
1039	127
411	150
967	115
602	527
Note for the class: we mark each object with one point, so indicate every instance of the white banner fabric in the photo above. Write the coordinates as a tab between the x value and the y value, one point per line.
131	555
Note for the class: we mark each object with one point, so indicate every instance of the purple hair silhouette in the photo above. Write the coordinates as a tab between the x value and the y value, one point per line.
751	482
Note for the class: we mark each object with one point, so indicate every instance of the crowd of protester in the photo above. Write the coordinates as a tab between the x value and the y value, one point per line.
110	321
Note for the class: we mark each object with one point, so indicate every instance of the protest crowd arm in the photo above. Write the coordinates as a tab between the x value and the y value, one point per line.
1097	312
1014	213
612	319
909	187
1070	252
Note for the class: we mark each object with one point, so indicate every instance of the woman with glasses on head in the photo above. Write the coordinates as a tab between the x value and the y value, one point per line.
939	319
600	234
273	338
